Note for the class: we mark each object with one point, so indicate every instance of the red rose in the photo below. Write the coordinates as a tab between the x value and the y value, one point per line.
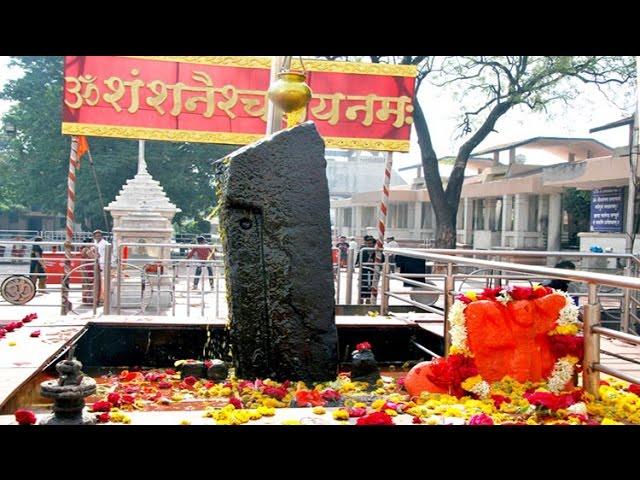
416	420
276	392
490	293
521	293
563	345
541	292
35	333
170	371
127	399
330	395
357	411
482	419
164	384
309	398
236	402
101	406
10	327
30	317
552	401
375	418
634	388
25	417
363	346
190	380
103	417
499	400
3	332
114	399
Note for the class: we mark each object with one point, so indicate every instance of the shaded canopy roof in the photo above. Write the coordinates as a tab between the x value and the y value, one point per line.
561	146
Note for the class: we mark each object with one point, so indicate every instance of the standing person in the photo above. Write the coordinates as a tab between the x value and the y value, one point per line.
101	249
343	247
89	254
367	268
36	267
202	253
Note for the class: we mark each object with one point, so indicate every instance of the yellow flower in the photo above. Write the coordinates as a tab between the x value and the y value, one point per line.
608	421
225	392
185	422
570	329
319	410
471	382
177	397
291	422
377	404
471	295
391	413
12	343
341	414
266	411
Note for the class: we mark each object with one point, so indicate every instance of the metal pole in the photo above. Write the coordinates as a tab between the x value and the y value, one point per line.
217	291
625	305
96	282
106	281
119	280
188	289
274	114
204	268
591	376
338	274
449	286
71	202
382	222
349	286
173	289
384	298
158	287
360	278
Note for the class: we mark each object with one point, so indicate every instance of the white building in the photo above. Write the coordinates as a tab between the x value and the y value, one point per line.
507	201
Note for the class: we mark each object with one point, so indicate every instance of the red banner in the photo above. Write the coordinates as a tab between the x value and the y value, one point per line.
224	100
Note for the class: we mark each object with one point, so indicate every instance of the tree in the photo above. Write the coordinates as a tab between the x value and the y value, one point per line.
490	87
37	158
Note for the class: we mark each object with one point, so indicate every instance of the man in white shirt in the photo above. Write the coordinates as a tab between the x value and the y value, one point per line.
391	243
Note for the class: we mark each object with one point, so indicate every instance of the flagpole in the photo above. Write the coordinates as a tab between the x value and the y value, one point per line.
71	203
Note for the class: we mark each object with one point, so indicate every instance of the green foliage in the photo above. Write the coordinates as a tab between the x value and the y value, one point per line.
34	164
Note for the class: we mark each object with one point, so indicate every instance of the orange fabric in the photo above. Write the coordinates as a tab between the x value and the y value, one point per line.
513	340
83	147
416	380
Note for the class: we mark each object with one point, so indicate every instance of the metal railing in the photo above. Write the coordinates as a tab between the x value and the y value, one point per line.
592	327
22	281
152	279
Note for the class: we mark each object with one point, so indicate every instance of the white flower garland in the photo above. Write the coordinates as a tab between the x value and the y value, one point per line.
569	314
561	374
482	389
458	329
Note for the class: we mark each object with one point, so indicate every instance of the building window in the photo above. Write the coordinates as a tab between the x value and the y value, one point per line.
346	217
427	218
398	215
368	217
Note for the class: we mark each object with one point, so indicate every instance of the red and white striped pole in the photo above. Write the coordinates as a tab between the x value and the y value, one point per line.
382	221
71	204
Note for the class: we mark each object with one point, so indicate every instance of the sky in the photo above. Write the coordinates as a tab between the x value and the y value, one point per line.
590	110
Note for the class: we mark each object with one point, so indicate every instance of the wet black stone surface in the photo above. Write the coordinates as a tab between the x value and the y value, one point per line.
274	219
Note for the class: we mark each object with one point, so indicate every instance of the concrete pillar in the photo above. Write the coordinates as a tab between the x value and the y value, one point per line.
572	157
468	221
512	156
506	218
357	221
490	214
521	218
541	219
555	222
496	159
417	227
